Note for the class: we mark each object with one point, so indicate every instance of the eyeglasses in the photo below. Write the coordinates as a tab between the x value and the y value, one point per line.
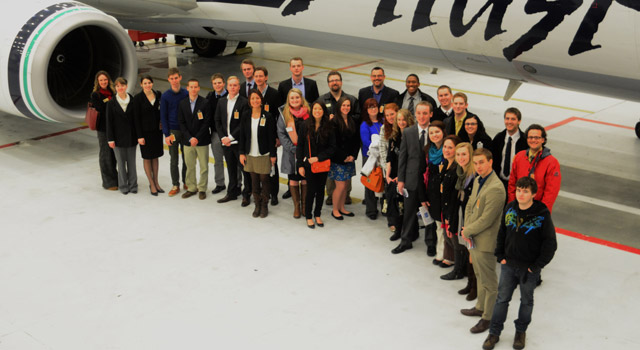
335	81
534	138
470	124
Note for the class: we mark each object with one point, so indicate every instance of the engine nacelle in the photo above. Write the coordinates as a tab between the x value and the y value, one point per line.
50	53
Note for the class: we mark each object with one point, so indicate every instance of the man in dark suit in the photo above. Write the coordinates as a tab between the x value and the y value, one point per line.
410	98
454	125
219	91
229	114
507	143
194	118
382	93
330	99
272	101
445	109
248	68
308	86
411	166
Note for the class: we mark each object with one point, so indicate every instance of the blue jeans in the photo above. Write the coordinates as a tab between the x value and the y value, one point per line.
510	277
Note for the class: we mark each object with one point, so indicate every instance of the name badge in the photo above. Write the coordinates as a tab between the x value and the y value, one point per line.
328	105
200	116
105	100
266	108
382	109
236	115
263	121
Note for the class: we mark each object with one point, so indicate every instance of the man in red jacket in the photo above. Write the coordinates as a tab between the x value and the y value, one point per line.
537	163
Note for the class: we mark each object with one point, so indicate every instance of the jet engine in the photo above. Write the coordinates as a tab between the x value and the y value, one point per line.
50	53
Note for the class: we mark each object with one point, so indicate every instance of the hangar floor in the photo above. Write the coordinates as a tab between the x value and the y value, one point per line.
85	268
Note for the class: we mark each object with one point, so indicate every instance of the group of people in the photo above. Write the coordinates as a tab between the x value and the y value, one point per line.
481	200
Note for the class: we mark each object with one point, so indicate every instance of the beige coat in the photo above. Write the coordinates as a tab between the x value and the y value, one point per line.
483	213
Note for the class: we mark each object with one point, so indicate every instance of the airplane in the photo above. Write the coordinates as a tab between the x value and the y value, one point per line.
50	50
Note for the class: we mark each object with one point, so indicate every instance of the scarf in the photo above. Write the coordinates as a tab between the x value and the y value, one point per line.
463	181
301	113
106	92
123	103
435	155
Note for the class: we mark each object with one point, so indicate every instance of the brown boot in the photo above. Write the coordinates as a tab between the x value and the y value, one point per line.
295	196
257	200
303	198
470	275
264	207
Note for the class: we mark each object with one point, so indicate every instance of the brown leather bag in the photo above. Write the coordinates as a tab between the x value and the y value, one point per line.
91	116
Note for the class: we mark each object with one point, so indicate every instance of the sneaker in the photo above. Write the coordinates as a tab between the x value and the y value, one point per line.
490	342
174	190
519	340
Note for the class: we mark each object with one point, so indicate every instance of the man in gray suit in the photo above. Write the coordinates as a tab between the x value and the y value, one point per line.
482	222
411	166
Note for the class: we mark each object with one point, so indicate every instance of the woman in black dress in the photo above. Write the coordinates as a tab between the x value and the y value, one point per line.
102	93
317	143
149	130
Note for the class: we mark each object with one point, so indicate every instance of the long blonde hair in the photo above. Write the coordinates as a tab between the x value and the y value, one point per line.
96	85
406	114
468	169
286	111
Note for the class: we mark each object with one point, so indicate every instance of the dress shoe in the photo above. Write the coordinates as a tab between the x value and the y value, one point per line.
274	200
481	326
396	236
153	193
186	188
160	190
113	188
453	275
349	214
337	217
245	201
188	194
125	192
519	340
490	342
202	195
174	190
286	195
444	265
473	312
134	191
431	251
218	189
227	198
319	222
310	225
401	248
348	200
372	216
436	262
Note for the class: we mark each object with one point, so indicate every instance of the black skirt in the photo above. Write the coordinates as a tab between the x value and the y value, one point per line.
153	147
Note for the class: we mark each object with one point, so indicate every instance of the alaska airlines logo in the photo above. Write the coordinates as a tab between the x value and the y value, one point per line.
556	11
512	220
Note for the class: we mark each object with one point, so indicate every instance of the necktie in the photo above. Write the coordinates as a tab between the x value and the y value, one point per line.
422	138
411	107
507	159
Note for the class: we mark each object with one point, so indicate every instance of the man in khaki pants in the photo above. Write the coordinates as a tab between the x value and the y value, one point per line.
482	222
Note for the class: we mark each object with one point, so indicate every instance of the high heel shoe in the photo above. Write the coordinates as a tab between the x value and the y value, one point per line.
160	190
310	225
153	193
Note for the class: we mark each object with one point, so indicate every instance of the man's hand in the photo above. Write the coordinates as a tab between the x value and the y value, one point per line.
168	140
226	141
193	141
112	144
141	141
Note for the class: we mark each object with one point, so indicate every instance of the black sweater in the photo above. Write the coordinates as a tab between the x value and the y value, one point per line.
527	238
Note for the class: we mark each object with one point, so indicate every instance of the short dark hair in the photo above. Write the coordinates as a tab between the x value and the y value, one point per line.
483	152
217	76
121	81
334	72
527	182
377	68
514	110
249	62
263	69
172	71
537	127
193	80
257	92
146	76
444	87
413	75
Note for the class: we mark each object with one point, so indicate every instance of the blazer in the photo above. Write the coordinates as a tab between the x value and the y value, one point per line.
498	144
196	123
450	124
120	124
323	149
146	115
272	101
438	114
240	110
99	102
424	97
388	95
311	93
483	212
243	88
212	100
347	142
411	159
266	135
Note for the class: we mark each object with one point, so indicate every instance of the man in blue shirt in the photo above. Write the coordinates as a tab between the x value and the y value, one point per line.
171	127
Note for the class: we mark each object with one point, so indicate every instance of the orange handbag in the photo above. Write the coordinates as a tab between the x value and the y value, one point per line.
374	181
91	117
319	167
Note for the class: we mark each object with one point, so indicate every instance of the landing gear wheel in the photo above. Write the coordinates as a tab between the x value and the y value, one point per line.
141	43
207	47
164	40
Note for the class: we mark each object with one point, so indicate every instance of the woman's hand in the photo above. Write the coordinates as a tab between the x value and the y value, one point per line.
273	161
349	159
141	141
313	160
243	159
112	144
301	171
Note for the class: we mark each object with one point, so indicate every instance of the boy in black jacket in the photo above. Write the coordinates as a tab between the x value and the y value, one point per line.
526	243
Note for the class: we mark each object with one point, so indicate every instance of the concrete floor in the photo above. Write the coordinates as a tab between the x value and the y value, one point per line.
85	268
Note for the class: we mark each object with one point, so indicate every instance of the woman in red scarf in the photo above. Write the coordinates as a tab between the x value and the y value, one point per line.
102	93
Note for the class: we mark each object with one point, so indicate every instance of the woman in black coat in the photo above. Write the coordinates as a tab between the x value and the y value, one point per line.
317	143
474	133
258	130
102	93
403	120
343	166
121	135
448	193
146	106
